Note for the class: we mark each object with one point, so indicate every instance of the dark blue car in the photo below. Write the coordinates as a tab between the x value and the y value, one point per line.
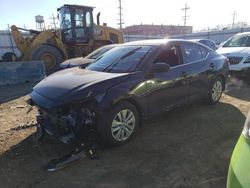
129	83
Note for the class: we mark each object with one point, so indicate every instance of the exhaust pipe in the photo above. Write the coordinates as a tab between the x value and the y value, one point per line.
98	18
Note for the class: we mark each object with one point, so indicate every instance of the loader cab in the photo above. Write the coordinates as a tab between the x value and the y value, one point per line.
76	23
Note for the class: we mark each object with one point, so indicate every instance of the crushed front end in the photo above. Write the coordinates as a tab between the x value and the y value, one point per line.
69	124
66	123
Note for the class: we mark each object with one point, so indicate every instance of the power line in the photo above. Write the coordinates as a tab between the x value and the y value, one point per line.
185	13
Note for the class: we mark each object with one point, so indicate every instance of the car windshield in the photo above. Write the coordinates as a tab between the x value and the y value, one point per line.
95	54
120	59
238	41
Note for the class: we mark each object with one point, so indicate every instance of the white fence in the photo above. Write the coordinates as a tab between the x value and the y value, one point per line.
217	36
7	43
130	38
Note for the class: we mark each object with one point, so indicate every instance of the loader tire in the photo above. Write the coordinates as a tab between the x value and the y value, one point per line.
51	56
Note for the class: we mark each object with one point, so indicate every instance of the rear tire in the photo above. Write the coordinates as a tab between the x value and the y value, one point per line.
119	124
51	56
215	91
9	57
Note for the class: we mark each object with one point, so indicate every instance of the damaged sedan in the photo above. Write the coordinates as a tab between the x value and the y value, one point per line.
129	83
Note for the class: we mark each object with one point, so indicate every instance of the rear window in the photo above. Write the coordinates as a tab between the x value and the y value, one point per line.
95	54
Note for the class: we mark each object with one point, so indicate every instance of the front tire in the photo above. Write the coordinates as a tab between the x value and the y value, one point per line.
215	91
118	125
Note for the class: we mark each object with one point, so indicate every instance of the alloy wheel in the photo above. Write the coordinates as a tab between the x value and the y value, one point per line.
123	125
216	90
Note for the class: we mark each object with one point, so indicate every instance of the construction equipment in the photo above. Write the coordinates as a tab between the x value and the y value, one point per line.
77	36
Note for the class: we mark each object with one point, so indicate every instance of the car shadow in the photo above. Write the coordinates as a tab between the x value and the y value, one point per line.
196	138
238	88
11	92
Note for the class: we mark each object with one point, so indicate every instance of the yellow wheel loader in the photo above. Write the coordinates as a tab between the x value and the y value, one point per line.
77	36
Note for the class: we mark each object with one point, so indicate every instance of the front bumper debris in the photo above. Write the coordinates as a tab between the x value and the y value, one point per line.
75	126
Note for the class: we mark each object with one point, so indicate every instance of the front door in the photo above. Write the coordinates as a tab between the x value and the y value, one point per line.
168	89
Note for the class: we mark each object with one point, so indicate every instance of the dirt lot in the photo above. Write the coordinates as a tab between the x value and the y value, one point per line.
188	147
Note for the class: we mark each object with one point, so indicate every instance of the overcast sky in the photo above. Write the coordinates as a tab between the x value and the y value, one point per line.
202	14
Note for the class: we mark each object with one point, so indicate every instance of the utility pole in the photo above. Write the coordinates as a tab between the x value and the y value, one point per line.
234	15
53	20
120	15
185	14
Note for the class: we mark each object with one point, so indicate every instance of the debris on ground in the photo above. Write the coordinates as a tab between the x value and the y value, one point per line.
24	126
162	154
18	106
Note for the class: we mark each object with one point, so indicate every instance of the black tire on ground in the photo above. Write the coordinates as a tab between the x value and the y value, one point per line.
215	90
51	56
9	57
108	123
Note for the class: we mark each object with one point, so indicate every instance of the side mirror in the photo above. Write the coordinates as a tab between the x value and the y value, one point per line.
160	67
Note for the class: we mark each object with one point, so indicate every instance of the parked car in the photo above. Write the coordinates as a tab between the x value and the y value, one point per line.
237	49
238	174
83	61
131	82
207	42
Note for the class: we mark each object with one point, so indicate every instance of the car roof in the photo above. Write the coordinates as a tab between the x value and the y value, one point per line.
243	34
155	42
197	40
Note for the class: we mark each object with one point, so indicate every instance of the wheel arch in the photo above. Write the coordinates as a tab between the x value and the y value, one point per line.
136	104
224	80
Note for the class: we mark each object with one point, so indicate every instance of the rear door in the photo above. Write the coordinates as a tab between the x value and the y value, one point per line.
195	59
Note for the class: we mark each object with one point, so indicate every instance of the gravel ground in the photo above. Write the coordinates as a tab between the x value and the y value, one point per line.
187	147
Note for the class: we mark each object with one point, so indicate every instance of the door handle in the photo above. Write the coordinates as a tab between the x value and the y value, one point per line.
212	65
183	74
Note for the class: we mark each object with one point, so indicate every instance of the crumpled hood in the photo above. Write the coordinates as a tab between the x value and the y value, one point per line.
234	50
74	83
75	62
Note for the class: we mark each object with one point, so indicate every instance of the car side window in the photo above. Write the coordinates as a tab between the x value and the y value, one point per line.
191	53
170	55
204	52
211	45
